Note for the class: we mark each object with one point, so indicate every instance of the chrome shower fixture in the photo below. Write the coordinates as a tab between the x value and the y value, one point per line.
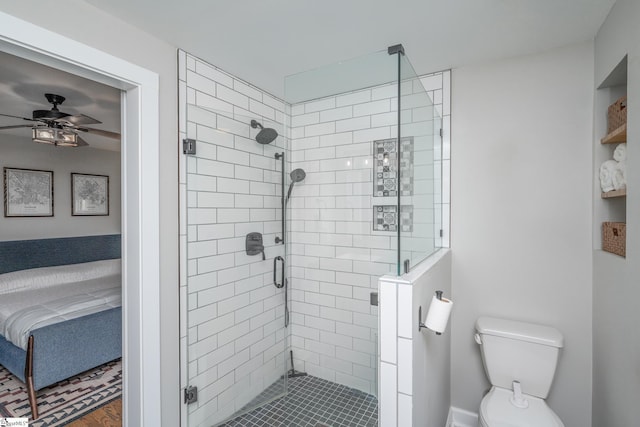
266	135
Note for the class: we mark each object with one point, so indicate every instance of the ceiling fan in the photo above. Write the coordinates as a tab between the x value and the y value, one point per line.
57	127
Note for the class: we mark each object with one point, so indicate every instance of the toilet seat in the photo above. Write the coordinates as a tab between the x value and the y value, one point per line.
497	411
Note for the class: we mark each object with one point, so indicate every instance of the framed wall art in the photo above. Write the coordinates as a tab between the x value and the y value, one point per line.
89	195
28	192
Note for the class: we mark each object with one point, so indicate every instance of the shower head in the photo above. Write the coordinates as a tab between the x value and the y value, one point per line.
266	135
297	175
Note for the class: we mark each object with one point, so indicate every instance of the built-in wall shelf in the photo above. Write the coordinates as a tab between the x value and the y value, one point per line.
617	136
614	193
610	208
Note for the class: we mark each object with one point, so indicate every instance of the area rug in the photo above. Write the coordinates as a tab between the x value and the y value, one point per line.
64	402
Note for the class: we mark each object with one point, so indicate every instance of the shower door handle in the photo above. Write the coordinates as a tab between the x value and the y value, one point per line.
275	272
280	156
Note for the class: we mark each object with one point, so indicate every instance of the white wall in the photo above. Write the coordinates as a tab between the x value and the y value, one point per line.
616	343
16	152
521	213
104	32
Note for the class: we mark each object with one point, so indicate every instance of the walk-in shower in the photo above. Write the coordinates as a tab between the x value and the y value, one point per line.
344	186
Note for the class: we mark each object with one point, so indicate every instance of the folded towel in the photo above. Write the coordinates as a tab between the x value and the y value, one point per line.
619	177
607	170
620	154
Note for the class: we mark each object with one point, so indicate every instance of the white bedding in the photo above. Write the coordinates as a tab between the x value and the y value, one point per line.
45	277
31	299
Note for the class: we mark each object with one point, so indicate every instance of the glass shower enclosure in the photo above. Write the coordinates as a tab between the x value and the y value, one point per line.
292	210
353	114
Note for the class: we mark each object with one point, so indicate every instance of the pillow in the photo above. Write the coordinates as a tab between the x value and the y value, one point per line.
44	277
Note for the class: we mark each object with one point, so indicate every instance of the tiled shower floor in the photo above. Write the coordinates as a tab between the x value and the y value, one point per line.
312	402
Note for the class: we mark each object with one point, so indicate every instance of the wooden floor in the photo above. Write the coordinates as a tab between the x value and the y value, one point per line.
109	415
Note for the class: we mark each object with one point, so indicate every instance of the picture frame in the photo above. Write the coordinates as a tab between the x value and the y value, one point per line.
27	192
89	195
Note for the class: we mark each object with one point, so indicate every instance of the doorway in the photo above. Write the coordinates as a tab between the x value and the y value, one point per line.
140	198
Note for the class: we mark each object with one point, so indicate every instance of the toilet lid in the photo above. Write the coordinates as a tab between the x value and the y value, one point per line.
497	411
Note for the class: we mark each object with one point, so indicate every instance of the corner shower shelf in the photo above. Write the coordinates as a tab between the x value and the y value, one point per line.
614	193
616	136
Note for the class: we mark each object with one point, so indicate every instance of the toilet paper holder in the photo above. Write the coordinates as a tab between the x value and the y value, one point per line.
421	325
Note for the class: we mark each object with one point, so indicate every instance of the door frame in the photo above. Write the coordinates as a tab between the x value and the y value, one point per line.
140	199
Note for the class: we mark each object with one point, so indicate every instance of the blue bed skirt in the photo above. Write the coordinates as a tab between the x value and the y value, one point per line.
68	348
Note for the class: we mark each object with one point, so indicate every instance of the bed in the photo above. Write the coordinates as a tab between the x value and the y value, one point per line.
63	340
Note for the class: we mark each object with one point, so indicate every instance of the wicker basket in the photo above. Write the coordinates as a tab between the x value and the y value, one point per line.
614	238
617	114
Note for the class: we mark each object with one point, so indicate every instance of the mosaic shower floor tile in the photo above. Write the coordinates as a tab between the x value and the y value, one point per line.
312	402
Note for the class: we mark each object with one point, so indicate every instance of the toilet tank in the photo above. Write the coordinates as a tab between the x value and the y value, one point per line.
518	351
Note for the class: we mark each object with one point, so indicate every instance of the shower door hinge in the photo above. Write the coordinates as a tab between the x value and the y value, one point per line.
441	233
396	48
374	298
189	146
190	395
441	133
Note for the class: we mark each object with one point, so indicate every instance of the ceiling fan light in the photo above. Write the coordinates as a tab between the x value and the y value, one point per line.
55	136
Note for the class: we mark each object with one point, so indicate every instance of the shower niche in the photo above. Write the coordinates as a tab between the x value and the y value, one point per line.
388	159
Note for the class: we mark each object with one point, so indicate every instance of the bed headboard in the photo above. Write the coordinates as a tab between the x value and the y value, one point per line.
24	254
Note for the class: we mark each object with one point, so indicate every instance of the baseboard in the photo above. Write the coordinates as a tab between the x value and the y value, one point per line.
461	418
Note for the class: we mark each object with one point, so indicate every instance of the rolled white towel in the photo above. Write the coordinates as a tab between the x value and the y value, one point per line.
619	177
607	170
620	153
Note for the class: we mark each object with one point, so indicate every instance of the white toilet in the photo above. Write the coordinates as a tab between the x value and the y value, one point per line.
520	361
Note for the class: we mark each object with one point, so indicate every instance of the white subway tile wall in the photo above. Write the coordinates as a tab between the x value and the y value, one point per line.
333	335
232	314
336	256
438	87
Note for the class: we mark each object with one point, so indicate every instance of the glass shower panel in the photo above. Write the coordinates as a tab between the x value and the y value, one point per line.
235	316
337	250
367	71
419	188
341	116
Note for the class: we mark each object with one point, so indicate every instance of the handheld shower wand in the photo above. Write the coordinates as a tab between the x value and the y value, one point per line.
297	175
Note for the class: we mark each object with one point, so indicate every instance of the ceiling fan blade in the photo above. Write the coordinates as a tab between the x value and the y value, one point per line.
82	142
18	117
79	120
15	127
105	133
